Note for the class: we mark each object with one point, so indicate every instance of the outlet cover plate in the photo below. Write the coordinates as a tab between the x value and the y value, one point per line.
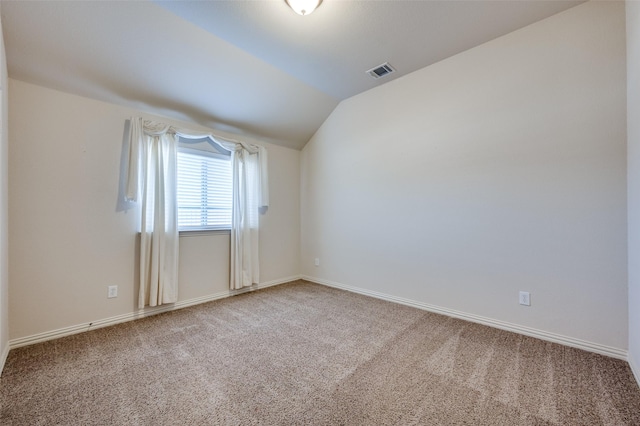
113	291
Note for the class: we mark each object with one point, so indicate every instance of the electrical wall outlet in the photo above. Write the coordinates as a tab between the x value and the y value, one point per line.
525	298
113	291
317	261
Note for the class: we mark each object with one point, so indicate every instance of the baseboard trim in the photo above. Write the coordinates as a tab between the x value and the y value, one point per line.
503	325
3	357
634	368
147	312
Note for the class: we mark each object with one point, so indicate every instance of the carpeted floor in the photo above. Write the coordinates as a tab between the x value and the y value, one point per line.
302	353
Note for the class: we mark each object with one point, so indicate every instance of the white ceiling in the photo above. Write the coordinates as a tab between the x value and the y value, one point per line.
253	67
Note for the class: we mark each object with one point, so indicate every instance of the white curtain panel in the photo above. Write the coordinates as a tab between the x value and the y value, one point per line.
157	155
245	268
152	177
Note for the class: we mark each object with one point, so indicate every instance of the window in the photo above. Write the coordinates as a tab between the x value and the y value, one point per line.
204	186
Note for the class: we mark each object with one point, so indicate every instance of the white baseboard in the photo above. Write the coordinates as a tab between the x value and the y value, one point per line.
80	328
503	325
527	331
634	368
3	357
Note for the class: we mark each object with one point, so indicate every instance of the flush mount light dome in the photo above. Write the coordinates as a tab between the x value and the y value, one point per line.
303	7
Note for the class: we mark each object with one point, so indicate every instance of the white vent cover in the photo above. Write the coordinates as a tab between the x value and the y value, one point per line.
381	70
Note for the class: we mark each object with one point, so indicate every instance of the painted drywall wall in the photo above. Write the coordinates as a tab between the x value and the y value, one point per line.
68	242
633	178
4	212
497	170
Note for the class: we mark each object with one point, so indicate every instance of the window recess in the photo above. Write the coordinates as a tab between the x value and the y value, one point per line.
205	186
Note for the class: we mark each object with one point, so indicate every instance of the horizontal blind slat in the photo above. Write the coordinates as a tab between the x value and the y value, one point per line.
204	191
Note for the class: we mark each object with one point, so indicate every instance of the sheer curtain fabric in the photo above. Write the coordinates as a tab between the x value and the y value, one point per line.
155	169
152	180
248	199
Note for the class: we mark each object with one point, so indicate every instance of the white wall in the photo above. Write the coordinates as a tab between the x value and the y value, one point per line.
497	170
4	230
633	178
68	242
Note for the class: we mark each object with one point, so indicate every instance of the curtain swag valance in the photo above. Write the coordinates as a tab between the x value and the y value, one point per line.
139	127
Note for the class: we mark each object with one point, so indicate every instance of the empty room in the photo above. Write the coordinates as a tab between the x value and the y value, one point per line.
324	212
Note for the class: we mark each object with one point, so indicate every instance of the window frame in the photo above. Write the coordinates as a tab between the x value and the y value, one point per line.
203	148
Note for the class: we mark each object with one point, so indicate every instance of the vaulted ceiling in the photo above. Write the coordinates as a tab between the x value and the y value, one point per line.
250	67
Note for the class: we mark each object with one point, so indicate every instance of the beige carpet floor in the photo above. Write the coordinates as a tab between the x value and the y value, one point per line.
300	354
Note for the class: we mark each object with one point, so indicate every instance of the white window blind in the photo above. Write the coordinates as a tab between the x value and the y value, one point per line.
204	190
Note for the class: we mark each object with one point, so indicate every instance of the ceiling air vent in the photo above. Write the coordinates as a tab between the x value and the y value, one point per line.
381	70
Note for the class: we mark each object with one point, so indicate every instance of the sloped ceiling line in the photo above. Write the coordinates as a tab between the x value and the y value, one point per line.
251	67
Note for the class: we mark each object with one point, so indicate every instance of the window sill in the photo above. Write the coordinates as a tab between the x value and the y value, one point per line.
200	232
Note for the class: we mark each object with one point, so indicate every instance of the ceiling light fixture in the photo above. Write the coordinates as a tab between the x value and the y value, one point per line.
303	7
